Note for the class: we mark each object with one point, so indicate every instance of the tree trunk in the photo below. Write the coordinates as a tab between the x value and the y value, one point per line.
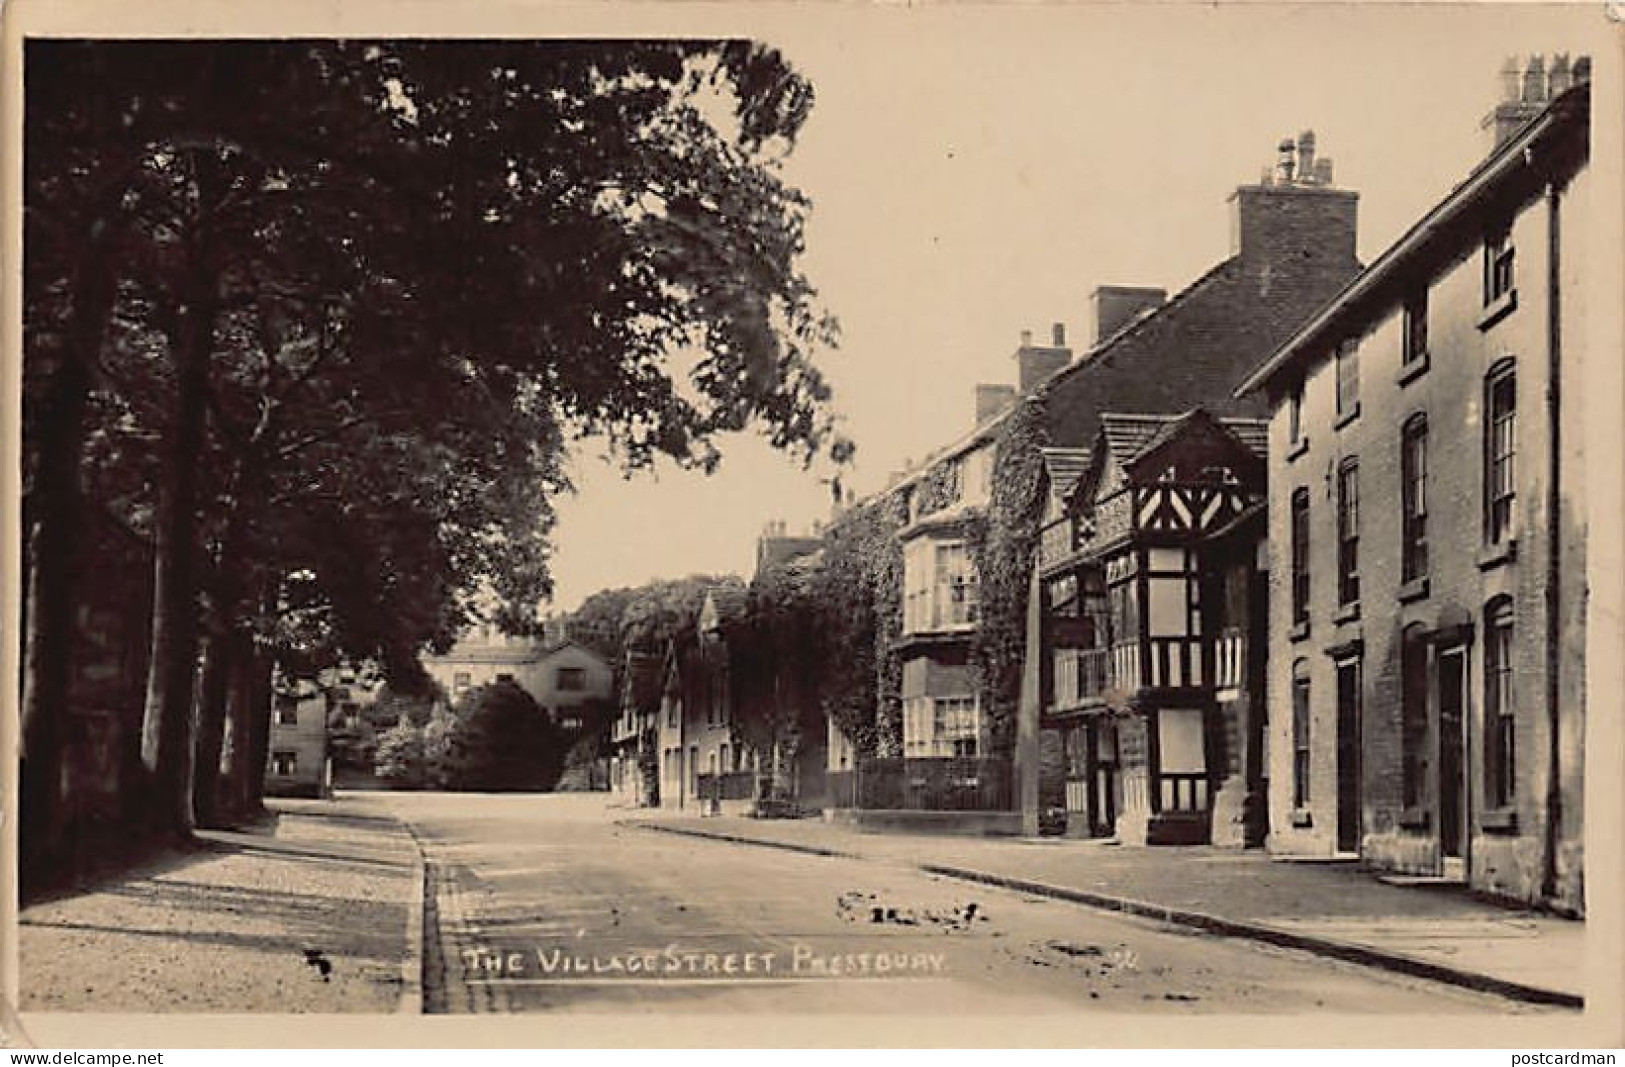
219	657
166	729
57	514
259	733
239	734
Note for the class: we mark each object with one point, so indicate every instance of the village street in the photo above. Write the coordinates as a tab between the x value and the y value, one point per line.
550	903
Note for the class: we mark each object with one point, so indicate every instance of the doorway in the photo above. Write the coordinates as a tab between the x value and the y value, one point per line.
1348	756
1106	796
1452	780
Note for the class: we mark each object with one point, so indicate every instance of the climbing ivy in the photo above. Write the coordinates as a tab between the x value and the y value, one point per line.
1001	544
858	593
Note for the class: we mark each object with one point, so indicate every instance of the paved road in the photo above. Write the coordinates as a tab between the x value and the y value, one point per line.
545	903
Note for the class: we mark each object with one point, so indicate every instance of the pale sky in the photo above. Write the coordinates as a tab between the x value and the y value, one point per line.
976	172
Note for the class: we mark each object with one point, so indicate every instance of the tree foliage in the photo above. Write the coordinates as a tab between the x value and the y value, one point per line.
320	317
501	741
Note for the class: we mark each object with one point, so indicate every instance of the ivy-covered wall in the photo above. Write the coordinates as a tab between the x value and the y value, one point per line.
859	591
1001	543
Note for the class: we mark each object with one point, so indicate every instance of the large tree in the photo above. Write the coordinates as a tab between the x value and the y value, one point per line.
360	295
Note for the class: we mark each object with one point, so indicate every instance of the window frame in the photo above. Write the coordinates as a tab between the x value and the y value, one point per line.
1299	542
1302	750
1346	370
1500	265
1348	532
1500	453
1500	708
1414	328
1413	502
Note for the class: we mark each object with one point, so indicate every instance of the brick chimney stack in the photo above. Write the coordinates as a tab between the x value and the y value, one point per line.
1295	217
1038	362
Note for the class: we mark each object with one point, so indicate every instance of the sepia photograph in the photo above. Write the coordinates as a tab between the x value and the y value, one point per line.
922	516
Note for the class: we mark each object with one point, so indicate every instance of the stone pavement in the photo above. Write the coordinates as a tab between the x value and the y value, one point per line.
1330	908
241	923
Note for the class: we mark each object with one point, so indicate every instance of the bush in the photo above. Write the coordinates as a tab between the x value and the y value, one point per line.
400	756
499	741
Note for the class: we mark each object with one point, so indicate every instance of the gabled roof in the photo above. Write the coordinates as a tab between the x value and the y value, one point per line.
1064	466
1252	434
1361	299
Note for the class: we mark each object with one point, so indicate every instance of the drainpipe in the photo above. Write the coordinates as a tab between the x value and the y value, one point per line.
1554	534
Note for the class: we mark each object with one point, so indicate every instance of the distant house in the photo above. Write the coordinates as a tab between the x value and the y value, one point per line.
704	764
634	737
564	678
297	762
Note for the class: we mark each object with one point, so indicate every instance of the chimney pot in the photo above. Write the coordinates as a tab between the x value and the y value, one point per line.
1026	338
1058	332
1511	81
1582	69
1285	157
1306	156
1323	171
1559	78
1534	81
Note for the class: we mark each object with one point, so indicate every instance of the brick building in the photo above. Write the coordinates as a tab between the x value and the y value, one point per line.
1292	249
1428	557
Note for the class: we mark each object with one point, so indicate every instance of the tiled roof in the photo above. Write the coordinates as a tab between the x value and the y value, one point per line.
1130	436
1064	467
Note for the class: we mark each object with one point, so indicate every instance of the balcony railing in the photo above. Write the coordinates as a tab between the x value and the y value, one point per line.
957	784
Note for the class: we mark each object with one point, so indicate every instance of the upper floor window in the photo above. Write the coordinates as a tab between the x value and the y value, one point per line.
1413	463
939	586
572	679
1300	556
461	680
1348	532
1498	265
1500	452
1415	341
1500	722
1348	378
1294	416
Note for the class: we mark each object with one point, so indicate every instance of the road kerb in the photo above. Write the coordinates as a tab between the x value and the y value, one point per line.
411	1000
738	839
1348	951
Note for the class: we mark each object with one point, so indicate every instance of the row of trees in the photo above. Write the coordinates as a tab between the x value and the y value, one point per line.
316	320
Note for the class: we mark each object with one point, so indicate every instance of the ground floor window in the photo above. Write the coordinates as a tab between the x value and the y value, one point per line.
941	727
284	763
1300	734
1500	740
